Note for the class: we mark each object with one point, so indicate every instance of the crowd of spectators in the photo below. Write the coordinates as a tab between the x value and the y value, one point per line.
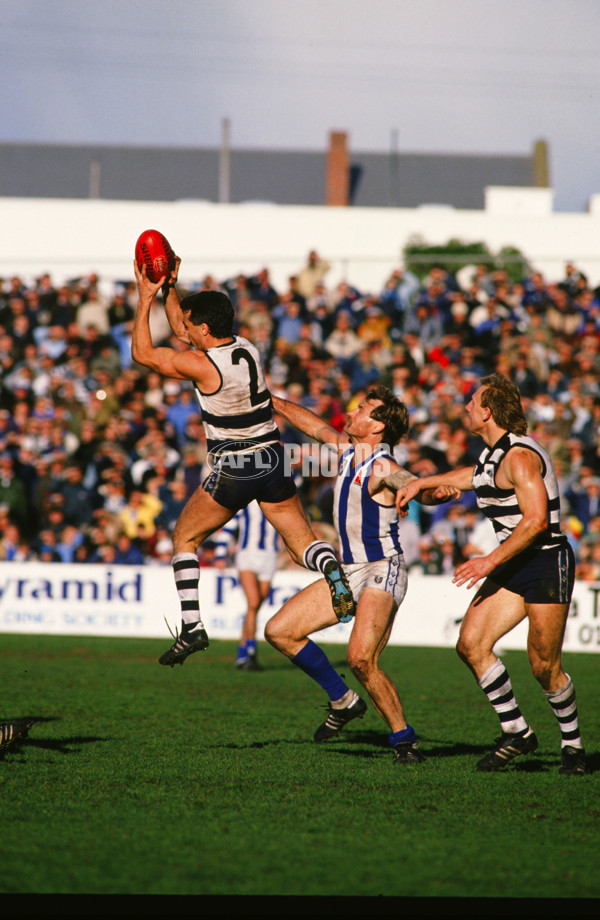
98	455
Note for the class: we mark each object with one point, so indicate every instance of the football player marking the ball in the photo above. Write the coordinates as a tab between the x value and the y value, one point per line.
529	574
366	521
246	456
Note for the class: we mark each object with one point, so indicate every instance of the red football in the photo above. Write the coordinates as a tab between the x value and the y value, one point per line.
153	250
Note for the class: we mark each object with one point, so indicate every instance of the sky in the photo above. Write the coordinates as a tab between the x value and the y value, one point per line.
433	76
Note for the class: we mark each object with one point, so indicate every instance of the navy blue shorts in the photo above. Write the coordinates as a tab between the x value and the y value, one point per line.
240	477
539	576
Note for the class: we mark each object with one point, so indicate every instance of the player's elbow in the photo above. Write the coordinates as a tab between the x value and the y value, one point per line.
536	525
138	354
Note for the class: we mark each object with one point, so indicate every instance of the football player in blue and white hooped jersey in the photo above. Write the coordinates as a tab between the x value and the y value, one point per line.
366	520
247	459
530	573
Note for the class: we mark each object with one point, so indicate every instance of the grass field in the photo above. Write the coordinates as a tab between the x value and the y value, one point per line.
142	780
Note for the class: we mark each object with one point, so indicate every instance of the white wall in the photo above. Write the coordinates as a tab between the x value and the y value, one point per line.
69	238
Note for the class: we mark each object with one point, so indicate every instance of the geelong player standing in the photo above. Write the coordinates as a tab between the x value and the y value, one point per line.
529	574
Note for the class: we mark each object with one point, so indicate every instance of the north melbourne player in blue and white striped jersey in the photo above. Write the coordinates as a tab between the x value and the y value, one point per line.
366	520
366	524
529	574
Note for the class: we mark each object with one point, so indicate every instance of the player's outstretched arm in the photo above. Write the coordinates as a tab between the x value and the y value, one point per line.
308	422
389	475
172	305
434	490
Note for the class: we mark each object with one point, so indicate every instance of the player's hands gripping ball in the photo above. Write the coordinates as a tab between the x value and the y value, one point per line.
154	251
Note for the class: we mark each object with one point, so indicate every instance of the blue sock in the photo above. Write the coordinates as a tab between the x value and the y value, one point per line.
314	662
241	651
251	646
406	734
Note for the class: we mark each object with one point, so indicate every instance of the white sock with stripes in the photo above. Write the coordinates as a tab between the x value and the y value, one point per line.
317	555
186	570
564	707
496	685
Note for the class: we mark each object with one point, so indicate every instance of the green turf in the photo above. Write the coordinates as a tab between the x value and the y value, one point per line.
140	779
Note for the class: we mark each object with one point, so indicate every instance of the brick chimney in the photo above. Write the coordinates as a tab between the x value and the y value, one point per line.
337	180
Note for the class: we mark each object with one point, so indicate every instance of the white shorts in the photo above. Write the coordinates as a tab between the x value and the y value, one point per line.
253	560
387	575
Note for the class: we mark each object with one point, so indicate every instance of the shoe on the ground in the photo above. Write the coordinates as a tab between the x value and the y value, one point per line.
12	733
343	602
572	761
408	752
248	664
187	642
507	748
337	718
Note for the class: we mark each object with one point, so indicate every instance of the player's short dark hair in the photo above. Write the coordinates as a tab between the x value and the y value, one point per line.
503	398
393	413
213	308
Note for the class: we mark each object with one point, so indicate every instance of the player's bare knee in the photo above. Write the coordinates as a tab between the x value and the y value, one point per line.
275	633
361	667
462	649
544	671
270	632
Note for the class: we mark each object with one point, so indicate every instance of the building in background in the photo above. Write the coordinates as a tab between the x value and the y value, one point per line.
336	176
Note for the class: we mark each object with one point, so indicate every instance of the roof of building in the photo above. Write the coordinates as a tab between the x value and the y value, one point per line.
283	177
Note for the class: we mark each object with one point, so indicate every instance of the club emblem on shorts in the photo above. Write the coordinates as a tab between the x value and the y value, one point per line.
242	459
378	579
